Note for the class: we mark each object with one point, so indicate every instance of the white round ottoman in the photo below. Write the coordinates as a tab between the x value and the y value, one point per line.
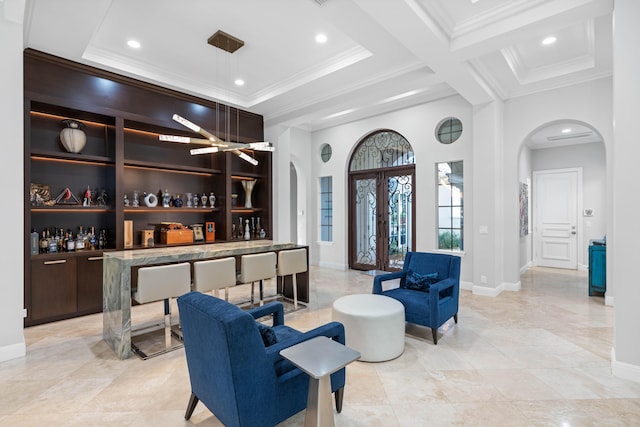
374	325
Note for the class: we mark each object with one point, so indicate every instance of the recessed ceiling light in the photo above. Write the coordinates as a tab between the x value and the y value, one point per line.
475	1
321	38
549	40
566	130
239	82
134	44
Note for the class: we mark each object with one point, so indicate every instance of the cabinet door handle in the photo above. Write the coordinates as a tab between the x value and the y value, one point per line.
95	258
57	261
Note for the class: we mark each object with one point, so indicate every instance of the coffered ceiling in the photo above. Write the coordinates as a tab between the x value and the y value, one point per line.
380	55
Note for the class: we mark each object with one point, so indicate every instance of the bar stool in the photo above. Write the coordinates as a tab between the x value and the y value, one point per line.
292	262
158	283
214	274
257	267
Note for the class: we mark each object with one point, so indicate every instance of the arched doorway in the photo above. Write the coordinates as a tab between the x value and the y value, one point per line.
381	204
565	162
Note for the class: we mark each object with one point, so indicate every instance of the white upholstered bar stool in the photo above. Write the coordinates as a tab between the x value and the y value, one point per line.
256	268
214	274
161	283
291	262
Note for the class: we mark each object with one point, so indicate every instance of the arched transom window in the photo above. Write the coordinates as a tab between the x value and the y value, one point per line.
382	149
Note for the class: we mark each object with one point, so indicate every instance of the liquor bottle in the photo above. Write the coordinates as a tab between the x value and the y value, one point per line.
102	240
80	239
71	242
35	242
93	239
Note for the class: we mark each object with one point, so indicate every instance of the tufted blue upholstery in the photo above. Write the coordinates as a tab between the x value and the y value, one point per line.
242	382
431	308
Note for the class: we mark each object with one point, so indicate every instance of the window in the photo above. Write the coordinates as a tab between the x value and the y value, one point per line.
450	206
326	209
449	130
325	153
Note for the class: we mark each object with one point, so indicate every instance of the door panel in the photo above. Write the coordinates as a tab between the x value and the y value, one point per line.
381	218
365	217
556	217
399	220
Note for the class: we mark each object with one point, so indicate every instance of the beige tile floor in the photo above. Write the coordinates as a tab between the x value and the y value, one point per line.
538	357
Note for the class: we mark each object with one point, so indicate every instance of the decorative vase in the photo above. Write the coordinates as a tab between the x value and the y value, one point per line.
136	199
189	201
177	201
248	188
166	199
151	200
72	136
204	199
196	200
212	200
247	231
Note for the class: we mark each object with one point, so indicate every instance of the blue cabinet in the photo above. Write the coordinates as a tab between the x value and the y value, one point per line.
597	268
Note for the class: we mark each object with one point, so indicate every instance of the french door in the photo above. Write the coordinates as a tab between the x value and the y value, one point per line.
381	218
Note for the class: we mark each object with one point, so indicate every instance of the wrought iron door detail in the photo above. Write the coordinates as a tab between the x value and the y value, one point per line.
400	218
366	213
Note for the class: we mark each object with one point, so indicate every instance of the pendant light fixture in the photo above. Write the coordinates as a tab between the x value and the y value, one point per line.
229	44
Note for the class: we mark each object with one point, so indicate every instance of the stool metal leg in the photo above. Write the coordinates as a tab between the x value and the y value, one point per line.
167	323
261	294
295	292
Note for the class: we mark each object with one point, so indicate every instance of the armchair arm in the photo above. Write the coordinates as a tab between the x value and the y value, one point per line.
377	281
275	308
443	284
333	330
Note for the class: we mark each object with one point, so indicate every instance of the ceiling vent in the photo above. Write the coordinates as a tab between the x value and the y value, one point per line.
569	136
225	41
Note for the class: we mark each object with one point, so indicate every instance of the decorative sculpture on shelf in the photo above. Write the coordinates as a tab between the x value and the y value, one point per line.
88	196
248	189
72	136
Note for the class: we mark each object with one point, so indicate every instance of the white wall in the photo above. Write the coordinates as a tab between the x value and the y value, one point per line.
417	124
623	231
12	343
591	158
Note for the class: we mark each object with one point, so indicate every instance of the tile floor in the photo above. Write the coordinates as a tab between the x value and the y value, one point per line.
538	357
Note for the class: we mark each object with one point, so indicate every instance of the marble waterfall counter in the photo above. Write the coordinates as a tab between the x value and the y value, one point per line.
116	279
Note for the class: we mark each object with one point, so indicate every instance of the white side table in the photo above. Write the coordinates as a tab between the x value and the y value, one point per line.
319	357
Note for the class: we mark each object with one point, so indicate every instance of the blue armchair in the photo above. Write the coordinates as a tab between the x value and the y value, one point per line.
435	300
235	368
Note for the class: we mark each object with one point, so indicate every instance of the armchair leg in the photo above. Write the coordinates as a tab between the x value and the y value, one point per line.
434	333
193	401
338	395
455	317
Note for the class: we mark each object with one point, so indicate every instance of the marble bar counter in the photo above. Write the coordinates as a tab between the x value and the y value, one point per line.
116	279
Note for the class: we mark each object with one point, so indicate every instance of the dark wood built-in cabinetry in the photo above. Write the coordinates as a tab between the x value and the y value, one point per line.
123	118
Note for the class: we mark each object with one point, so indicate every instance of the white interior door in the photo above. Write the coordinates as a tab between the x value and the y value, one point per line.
555	200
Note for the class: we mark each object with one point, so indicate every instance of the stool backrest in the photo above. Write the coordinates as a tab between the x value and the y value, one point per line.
214	274
156	283
292	262
256	267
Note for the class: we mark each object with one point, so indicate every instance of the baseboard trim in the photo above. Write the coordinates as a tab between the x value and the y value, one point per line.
623	370
13	351
486	291
333	266
513	287
467	286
